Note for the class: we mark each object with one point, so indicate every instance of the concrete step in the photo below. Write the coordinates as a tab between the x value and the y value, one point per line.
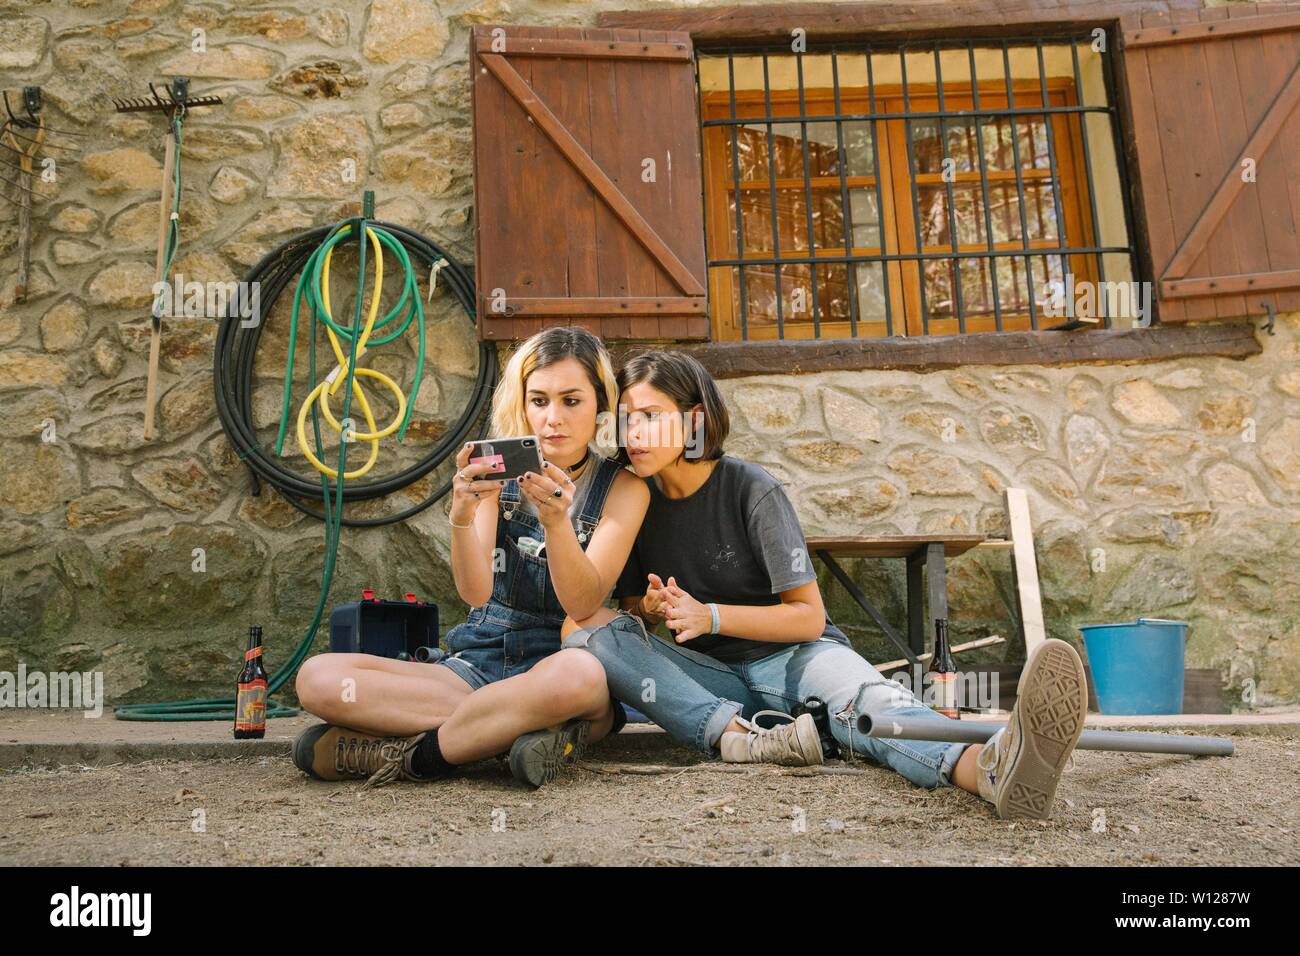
48	738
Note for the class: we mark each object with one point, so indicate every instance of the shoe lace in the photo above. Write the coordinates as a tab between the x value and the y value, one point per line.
357	754
768	742
392	761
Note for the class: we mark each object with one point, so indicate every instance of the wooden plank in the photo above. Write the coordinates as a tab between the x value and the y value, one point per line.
1025	566
850	20
1231	184
1238	232
1245	219
1146	167
1217	285
165	200
1184	109
586	48
955	649
562	85
581	160
1189	32
1277	54
602	306
893	545
613	248
1096	347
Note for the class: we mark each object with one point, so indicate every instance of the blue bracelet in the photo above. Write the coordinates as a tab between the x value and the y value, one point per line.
713	612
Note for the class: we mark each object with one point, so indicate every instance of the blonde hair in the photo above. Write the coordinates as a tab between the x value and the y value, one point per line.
539	351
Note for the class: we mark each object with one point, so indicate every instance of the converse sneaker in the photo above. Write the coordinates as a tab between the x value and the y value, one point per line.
537	758
1021	765
791	744
331	752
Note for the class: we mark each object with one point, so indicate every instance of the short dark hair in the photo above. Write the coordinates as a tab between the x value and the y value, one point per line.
682	378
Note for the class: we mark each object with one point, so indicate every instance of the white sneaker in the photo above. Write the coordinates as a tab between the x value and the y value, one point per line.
792	744
1021	765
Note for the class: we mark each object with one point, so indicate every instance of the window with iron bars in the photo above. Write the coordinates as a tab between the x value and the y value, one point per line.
916	189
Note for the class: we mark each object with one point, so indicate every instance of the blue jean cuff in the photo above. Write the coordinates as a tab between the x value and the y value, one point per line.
949	762
723	714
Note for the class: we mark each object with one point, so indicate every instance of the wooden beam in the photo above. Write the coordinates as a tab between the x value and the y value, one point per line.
596	306
1189	32
582	49
937	352
1233	183
955	649
1223	285
1025	566
932	18
587	167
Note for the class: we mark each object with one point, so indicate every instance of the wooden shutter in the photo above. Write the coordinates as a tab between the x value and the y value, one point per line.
568	229
1208	89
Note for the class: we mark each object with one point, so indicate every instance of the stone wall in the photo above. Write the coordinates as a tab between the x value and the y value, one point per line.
1162	489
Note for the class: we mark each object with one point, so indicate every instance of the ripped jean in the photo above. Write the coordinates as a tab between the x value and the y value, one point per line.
694	696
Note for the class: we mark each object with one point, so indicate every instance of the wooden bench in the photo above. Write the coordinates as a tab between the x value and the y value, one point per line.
929	551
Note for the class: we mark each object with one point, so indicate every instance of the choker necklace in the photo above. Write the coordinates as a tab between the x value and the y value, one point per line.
572	469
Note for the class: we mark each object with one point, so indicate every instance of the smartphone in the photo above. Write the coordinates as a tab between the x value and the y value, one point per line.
509	457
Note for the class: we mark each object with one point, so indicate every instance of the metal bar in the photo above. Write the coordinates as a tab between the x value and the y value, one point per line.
771	181
1126	190
1066	266
735	177
807	192
1092	190
915	603
887	726
918	114
711	47
1020	184
899	256
952	202
856	593
880	200
984	186
936	581
916	190
846	219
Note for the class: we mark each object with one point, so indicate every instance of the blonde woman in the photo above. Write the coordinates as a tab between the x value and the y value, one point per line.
524	554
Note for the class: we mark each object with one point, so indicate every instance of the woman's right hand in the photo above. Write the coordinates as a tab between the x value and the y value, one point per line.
653	601
469	489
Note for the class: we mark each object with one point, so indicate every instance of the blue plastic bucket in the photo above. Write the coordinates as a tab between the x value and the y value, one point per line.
1137	668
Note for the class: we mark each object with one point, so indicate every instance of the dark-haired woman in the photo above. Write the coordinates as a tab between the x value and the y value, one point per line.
721	560
524	554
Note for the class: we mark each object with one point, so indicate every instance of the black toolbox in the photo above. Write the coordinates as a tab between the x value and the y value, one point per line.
405	630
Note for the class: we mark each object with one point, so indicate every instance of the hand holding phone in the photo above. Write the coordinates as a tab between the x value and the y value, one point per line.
507	458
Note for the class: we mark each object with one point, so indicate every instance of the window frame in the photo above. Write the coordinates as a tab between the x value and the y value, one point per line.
747	26
896	192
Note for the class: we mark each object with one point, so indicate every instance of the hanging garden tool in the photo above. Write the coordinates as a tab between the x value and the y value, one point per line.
177	102
22	137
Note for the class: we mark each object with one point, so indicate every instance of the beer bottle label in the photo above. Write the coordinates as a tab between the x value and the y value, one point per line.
250	706
945	692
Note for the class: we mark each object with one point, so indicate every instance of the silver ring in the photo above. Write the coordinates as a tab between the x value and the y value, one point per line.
557	493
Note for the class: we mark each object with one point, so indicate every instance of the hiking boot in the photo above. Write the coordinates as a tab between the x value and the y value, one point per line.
537	758
395	761
792	744
1021	765
331	752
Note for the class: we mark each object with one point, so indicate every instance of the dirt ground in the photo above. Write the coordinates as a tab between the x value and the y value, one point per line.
1210	811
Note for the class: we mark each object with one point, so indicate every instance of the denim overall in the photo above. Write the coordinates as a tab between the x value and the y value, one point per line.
520	623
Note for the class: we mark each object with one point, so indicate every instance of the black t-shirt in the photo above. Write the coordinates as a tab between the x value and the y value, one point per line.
736	540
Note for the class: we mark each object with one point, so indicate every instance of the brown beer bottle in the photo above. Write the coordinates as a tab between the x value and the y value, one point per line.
250	701
943	673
